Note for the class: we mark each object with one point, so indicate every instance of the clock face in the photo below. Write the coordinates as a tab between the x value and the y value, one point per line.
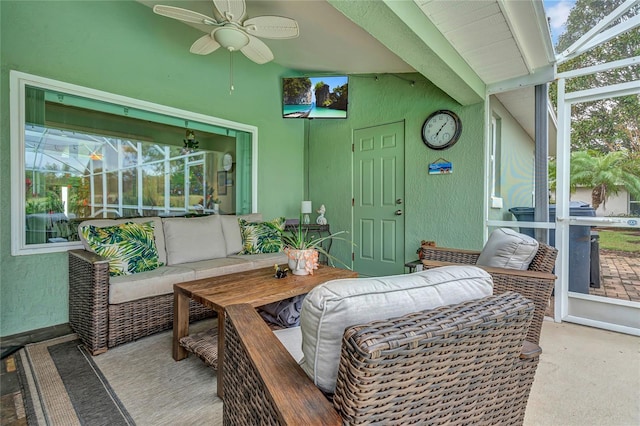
227	162
441	129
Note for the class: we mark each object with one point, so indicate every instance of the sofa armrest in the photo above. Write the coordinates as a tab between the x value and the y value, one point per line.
534	285
444	254
89	298
261	379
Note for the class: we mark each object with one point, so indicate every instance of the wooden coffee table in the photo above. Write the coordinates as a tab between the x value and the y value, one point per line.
257	287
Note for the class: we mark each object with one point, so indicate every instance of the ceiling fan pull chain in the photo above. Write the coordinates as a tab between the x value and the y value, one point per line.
230	72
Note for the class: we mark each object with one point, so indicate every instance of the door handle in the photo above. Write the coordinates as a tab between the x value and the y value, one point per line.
398	212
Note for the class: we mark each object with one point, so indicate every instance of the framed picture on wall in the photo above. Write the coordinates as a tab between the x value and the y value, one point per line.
222	183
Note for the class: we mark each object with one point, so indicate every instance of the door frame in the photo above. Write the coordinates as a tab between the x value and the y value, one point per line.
354	169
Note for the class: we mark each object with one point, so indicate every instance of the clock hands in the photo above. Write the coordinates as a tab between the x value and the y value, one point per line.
439	130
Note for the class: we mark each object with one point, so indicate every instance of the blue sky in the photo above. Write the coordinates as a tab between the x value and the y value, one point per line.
558	11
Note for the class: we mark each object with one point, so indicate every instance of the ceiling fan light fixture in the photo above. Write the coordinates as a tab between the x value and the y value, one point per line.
231	38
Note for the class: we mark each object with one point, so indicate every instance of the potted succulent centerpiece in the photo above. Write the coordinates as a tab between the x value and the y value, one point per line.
303	250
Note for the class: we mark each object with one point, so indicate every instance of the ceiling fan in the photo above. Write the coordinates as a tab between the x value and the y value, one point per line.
232	31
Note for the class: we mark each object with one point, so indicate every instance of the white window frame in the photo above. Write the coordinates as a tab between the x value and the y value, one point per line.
17	83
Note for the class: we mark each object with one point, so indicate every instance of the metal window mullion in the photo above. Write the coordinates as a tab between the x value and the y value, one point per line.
606	92
105	198
187	185
541	177
600	67
139	180
167	179
120	176
92	187
562	202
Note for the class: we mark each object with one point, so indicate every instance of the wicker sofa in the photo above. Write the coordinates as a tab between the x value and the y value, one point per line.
106	311
416	362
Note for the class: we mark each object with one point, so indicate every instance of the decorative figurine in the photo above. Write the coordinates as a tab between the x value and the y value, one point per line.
321	220
280	272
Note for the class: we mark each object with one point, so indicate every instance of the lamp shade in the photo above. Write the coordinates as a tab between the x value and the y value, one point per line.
306	207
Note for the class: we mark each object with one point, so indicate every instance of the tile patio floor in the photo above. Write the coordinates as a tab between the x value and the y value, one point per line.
619	276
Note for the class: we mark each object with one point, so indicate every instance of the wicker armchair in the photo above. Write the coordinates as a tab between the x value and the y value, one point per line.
536	283
458	364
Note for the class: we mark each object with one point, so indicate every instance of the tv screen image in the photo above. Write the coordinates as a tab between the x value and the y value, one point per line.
315	97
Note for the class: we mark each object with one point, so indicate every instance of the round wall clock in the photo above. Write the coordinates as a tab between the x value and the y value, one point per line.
227	162
441	129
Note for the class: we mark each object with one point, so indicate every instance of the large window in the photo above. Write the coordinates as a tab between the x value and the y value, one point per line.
78	153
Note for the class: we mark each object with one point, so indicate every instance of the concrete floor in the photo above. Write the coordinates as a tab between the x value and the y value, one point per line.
586	376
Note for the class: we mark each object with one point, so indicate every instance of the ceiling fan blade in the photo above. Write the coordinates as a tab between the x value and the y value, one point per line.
204	45
183	15
272	27
257	51
231	10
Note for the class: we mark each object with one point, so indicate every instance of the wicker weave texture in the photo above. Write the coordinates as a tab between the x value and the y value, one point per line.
444	255
453	365
534	288
88	300
457	364
139	318
245	400
100	325
545	259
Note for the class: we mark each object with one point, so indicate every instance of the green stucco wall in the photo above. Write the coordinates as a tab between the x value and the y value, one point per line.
443	208
517	162
123	48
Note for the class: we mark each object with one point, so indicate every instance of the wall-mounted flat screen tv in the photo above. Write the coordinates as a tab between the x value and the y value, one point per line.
315	97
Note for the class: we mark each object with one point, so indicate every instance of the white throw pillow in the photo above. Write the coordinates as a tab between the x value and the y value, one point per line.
335	305
507	248
193	239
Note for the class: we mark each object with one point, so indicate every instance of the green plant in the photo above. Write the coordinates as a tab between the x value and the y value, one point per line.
301	240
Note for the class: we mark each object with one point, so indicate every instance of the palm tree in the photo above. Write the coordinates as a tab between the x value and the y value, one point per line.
606	174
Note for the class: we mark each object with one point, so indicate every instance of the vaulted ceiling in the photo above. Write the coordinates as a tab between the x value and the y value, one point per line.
467	48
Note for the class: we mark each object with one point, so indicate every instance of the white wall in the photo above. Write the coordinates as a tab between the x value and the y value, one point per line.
616	205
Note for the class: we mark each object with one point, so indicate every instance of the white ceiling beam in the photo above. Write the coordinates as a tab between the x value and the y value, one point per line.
539	76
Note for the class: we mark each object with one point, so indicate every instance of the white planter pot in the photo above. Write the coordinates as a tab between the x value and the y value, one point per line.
302	262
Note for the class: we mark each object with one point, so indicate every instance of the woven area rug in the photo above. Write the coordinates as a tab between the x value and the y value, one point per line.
137	383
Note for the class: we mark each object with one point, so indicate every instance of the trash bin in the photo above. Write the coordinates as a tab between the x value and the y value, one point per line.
579	242
594	271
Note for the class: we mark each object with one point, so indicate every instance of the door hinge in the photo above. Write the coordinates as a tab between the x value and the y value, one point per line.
353	147
353	202
353	256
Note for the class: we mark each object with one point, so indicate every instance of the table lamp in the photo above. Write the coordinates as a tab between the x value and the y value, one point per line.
306	210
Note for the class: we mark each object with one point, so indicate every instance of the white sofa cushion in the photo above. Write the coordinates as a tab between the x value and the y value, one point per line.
157	230
126	288
231	230
193	239
216	267
262	260
335	305
291	339
507	248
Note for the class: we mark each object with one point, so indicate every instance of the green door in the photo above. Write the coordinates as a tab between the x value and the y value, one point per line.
379	200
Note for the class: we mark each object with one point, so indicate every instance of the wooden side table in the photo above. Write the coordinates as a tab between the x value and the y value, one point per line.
414	266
